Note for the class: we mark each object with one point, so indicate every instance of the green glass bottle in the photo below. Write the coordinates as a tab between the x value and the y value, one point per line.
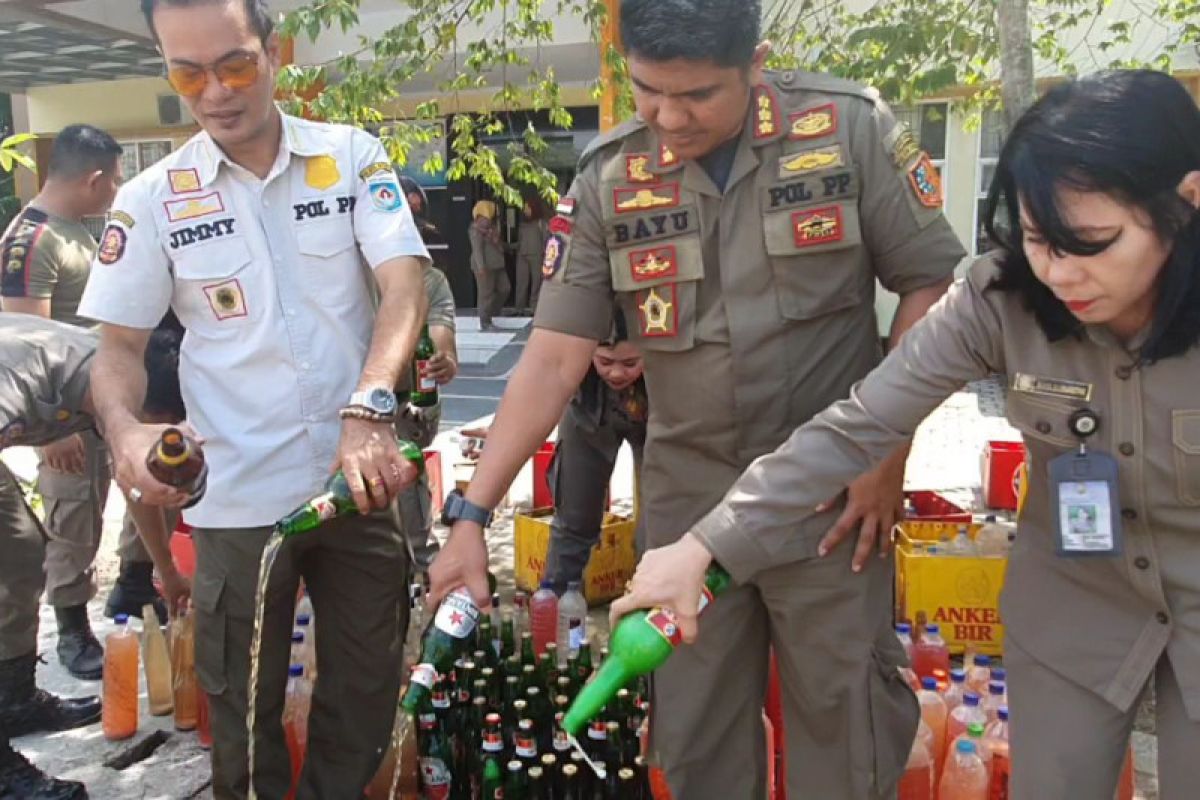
640	643
436	756
336	500
516	783
424	391
527	656
539	787
508	639
493	780
444	640
583	666
485	643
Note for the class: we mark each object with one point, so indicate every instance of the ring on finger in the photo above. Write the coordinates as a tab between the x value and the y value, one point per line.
375	482
135	494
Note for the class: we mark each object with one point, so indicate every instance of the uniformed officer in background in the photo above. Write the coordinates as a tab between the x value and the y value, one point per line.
46	256
531	243
41	359
1088	307
487	263
742	221
609	409
288	252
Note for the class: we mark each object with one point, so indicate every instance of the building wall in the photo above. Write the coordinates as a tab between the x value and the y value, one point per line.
112	105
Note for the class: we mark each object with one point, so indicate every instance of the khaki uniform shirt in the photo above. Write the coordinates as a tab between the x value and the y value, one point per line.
441	312
44	255
1101	621
486	253
753	307
44	379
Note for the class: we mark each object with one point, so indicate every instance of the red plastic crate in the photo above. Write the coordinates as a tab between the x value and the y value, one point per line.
1001	468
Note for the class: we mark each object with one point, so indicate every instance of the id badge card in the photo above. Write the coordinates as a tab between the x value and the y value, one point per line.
1084	500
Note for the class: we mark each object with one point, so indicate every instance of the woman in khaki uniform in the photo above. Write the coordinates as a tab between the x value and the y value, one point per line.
487	263
1091	308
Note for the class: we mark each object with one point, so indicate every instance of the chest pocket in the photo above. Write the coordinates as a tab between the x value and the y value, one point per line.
1042	419
333	272
214	289
1185	438
814	254
656	262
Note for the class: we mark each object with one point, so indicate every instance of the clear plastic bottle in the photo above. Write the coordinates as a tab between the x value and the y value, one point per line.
521	613
572	622
961	718
933	714
974	733
997	698
965	776
119	714
543	617
308	659
961	544
931	653
999	674
954	692
995	738
156	662
993	539
297	654
979	673
304	606
904	634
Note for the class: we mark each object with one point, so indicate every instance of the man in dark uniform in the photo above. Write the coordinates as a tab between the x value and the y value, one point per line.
741	222
609	409
45	395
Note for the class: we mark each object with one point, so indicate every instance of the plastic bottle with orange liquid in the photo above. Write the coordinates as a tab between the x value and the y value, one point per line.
119	716
965	777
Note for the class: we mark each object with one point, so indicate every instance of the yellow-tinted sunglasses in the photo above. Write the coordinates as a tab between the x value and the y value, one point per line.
236	71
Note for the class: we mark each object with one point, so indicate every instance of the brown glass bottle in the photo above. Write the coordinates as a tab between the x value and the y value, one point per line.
177	461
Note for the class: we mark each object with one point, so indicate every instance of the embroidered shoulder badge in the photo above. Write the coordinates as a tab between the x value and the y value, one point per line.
112	245
226	299
374	169
926	182
552	258
657	262
666	157
385	194
565	207
121	217
905	148
813	123
766	113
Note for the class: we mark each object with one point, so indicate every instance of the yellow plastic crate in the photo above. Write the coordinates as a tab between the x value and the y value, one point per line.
960	594
608	569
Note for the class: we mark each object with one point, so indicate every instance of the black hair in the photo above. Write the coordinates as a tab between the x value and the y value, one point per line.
256	13
1129	134
81	150
163	397
725	32
409	185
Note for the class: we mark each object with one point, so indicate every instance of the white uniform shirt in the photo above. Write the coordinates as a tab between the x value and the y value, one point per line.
268	277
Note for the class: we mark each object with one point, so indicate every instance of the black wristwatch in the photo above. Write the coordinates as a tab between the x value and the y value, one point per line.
458	507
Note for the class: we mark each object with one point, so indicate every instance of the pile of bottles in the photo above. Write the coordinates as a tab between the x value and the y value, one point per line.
491	725
961	749
992	540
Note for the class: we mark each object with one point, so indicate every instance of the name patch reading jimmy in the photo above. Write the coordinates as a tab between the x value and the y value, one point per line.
182	237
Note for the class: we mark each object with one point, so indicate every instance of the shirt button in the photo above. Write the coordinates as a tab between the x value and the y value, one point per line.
1123	372
1141	562
304	366
1042	426
1125	448
1128	513
1162	617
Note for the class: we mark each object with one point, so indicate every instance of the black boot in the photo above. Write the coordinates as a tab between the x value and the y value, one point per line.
78	649
26	709
20	780
133	590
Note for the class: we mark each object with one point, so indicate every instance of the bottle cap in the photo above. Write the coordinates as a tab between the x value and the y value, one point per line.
996	687
929	684
975	730
965	746
958	675
303	619
983	661
121	619
1003	713
296	670
971	699
546	584
574	586
931	628
297	637
903	627
999	674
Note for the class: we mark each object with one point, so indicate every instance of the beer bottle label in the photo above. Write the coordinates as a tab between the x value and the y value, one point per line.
435	779
457	614
424	384
526	747
561	742
324	506
662	620
441	700
424	674
493	742
597	732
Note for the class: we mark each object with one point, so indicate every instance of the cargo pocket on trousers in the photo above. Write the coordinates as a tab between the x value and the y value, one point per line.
895	714
210	632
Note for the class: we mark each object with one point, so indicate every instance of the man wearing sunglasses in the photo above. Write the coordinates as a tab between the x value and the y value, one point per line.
291	258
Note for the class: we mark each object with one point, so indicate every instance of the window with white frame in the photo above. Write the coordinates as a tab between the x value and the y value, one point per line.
138	155
991	138
929	122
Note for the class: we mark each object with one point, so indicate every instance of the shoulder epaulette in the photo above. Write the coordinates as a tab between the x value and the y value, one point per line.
618	133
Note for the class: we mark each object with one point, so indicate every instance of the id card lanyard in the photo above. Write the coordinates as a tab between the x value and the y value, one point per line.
1084	494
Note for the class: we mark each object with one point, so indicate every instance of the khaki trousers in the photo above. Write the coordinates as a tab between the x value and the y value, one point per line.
529	280
356	572
849	717
22	577
491	288
1069	743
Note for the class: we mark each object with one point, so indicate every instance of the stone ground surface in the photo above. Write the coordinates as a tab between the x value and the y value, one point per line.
945	457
